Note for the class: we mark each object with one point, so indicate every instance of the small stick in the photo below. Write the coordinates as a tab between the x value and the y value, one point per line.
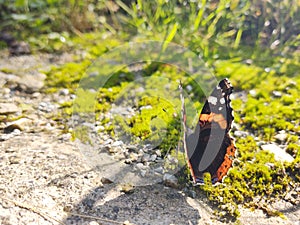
183	116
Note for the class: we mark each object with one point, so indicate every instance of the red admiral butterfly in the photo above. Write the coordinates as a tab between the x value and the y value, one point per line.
210	149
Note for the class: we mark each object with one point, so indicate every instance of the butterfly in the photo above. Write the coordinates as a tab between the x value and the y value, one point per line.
210	148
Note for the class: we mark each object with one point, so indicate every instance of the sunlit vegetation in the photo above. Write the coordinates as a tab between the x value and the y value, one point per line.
253	43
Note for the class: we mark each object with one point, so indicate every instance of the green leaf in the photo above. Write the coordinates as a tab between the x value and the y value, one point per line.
199	15
170	36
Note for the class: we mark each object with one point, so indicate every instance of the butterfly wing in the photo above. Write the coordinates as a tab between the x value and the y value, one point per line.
210	148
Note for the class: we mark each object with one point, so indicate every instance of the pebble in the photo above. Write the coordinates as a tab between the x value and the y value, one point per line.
105	180
5	91
127	188
277	94
64	92
108	141
26	84
170	180
119	156
132	148
65	137
153	157
99	128
127	223
143	173
189	88
93	223
146	107
239	133
172	159
192	194
133	157
5	137
46	107
281	136
158	153
253	93
14	159
140	166
159	170
20	124
36	94
113	150
117	143
146	157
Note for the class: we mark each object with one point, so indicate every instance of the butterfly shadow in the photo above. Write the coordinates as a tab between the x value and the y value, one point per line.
150	204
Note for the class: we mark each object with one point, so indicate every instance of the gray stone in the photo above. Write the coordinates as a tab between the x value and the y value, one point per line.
253	92
64	92
14	159
239	133
117	143
20	124
277	94
280	154
105	180
128	161
5	91
119	156
189	88
32	83
36	95
158	153
153	157
132	148
281	136
143	173
146	157
93	223
8	108
146	107
133	156
159	170
140	166
170	180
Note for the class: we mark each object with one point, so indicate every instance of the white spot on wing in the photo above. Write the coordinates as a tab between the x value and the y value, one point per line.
220	108
222	100
218	87
213	100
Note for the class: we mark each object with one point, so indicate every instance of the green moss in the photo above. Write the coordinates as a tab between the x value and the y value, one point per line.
250	177
66	76
293	149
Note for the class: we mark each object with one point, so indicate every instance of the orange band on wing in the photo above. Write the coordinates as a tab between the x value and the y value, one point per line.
218	118
228	159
